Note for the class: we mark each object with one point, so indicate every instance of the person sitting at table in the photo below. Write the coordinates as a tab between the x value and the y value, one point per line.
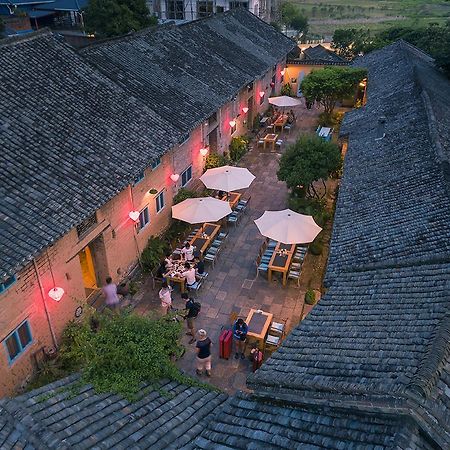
240	330
221	194
291	117
187	252
200	266
168	261
189	275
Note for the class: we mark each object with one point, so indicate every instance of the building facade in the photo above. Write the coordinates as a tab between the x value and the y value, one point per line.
82	202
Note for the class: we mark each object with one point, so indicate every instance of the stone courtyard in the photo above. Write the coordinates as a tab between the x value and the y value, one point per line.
232	286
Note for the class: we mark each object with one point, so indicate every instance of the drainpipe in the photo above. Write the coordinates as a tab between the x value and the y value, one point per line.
52	331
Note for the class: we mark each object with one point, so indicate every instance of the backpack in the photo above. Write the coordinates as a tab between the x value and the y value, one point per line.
195	308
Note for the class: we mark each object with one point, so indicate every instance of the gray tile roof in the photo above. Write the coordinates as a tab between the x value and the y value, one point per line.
188	72
249	423
63	415
70	139
379	339
322	55
73	138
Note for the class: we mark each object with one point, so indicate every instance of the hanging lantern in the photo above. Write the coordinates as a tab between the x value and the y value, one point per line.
203	151
272	84
245	110
56	293
232	123
174	177
283	72
133	215
261	93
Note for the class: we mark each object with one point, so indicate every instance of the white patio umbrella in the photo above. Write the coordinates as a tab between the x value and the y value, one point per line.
288	227
227	178
202	209
284	101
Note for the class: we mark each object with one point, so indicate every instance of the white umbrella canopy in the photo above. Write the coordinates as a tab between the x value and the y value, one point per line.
227	178
284	101
202	209
288	227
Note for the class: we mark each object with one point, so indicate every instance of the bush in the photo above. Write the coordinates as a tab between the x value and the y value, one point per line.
310	207
286	89
238	147
215	160
183	194
333	120
257	122
153	254
310	297
316	247
176	230
123	352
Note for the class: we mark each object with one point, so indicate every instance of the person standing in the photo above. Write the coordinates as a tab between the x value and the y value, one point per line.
203	348
111	297
240	330
187	252
165	294
192	310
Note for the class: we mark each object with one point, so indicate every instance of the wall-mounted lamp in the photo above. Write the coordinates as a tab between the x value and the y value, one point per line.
245	110
174	177
283	72
261	93
272	84
56	293
133	215
232	123
203	151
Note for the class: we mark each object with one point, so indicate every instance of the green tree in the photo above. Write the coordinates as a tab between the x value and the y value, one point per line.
308	160
349	42
293	18
329	85
107	18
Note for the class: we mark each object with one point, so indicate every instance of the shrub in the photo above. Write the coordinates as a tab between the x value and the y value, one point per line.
183	194
177	229
316	247
153	254
310	207
310	297
286	89
333	120
215	160
238	147
123	352
257	122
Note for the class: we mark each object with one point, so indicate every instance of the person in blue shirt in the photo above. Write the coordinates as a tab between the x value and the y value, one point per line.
240	330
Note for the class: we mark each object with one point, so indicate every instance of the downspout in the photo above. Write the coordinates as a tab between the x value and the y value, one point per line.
52	331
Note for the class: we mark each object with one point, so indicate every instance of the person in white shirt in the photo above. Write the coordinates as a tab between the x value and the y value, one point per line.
187	252
168	261
110	292
189	274
165	294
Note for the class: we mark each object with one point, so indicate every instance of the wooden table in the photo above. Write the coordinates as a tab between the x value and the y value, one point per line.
280	122
233	198
270	138
205	236
258	325
281	262
178	267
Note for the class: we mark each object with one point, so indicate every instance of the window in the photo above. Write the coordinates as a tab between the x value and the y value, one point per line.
175	9
18	341
186	176
156	163
205	8
238	4
84	227
160	201
7	283
144	218
139	178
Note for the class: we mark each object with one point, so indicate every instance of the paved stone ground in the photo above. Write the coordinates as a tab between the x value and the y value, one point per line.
232	286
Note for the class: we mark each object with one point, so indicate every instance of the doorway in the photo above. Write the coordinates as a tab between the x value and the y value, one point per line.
93	265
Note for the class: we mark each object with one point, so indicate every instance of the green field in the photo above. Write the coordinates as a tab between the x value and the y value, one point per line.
324	17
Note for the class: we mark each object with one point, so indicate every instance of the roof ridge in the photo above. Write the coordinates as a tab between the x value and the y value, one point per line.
437	356
13	40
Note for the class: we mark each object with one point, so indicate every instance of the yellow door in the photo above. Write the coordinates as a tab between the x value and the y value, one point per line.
87	269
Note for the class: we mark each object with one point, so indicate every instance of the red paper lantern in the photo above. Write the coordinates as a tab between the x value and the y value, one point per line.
272	84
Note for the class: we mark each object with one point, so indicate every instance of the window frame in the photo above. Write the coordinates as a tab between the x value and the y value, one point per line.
10	281
142	212
182	175
159	208
22	348
158	163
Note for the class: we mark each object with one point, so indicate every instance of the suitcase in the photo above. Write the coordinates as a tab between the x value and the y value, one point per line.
225	340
